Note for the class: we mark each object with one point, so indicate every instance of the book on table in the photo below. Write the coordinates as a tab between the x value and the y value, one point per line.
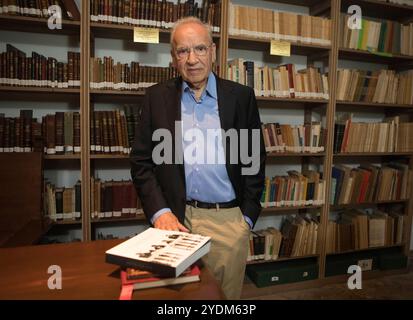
163	252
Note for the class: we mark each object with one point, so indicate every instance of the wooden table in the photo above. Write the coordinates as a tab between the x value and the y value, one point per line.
85	275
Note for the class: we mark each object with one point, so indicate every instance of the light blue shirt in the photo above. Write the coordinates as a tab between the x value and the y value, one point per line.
204	158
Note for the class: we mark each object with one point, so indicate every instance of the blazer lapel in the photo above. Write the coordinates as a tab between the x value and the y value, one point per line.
227	104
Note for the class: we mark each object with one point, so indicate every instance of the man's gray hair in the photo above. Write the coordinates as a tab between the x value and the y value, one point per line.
187	20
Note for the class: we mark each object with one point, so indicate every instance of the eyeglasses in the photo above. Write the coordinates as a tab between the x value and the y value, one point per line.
199	51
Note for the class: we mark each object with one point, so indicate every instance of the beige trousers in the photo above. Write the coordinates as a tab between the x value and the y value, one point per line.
229	244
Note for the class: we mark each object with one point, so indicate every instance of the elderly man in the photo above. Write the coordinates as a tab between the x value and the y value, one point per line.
216	198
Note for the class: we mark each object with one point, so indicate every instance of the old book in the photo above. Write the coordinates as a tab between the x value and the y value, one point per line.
168	253
135	279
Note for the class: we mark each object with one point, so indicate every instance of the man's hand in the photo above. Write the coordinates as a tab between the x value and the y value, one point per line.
168	221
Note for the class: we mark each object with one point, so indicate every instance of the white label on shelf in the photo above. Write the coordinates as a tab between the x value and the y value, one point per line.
366	264
60	149
77	149
76	214
69	148
275	279
117	214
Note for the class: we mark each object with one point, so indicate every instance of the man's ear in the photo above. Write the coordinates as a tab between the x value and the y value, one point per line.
214	52
174	62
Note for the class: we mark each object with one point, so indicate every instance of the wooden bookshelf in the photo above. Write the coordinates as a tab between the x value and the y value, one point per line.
367	56
66	222
373	105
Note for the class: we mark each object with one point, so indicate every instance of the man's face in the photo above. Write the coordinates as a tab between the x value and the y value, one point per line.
194	68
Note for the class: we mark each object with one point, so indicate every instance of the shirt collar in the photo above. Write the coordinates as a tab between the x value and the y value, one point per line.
211	88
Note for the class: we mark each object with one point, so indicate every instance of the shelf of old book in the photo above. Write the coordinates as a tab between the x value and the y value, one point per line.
61	157
37	25
125	31
138	218
366	249
251	43
366	204
375	57
381	9
282	259
358	104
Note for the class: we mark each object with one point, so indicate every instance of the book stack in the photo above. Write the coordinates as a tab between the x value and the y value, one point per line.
281	82
39	8
113	199
298	237
62	203
38	71
105	74
109	132
163	252
296	189
370	183
155	13
387	136
269	24
383	86
310	137
357	229
135	279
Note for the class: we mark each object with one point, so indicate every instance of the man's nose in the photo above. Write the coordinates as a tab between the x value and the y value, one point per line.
192	57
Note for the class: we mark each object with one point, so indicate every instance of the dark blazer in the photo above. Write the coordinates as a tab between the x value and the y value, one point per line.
161	186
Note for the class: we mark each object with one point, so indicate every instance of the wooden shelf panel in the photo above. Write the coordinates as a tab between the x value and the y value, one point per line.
290	154
66	222
62	157
40	94
372	154
379	9
303	3
37	25
282	259
122	219
364	204
250	43
373	105
115	95
366	56
109	156
366	249
292	100
286	210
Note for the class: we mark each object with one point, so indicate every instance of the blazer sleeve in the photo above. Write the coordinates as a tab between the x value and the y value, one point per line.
142	166
254	184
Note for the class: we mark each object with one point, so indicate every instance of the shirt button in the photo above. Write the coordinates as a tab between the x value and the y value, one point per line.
196	190
196	169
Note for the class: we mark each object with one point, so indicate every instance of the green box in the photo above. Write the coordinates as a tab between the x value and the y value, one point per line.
339	264
273	273
393	261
